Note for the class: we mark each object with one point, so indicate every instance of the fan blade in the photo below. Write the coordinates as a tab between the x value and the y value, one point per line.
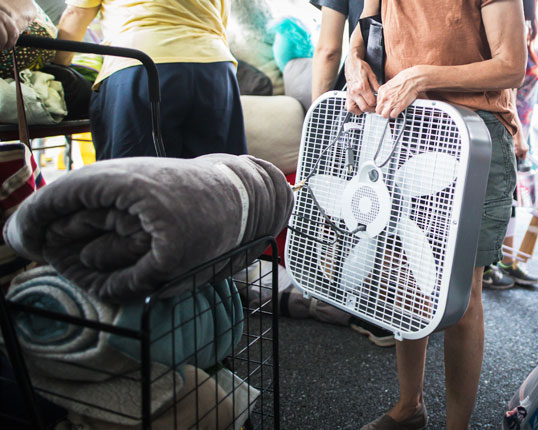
426	174
328	191
359	263
419	254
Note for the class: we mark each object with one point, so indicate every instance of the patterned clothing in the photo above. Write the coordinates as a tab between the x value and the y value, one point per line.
527	96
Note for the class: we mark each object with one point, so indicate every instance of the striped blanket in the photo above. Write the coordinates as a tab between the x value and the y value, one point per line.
19	178
200	328
80	364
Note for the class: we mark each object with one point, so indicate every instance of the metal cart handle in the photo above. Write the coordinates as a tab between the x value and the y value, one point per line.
93	48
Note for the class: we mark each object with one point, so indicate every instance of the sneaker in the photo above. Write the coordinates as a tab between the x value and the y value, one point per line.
376	335
496	279
519	274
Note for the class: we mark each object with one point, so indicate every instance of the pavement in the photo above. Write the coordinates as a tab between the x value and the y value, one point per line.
334	378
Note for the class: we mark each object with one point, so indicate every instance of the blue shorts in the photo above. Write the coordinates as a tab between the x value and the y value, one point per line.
499	192
200	112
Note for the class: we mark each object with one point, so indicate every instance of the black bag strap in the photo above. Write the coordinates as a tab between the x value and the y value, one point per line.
24	135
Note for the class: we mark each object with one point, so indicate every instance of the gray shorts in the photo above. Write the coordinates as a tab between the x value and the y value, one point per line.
499	192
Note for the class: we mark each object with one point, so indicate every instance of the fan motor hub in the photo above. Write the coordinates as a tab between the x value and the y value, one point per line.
365	204
366	201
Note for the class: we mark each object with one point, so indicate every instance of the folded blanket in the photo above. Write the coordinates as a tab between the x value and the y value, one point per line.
117	400
199	328
203	404
121	228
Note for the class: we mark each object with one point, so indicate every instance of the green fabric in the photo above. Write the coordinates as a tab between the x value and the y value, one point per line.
43	99
88	65
292	40
499	192
213	314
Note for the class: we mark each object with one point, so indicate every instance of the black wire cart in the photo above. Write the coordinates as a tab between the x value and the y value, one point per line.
240	391
254	360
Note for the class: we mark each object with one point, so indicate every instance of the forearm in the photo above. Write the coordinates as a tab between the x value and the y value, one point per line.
357	48
356	45
328	53
361	80
72	26
324	71
489	75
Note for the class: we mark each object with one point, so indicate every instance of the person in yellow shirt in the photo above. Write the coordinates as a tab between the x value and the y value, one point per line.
200	109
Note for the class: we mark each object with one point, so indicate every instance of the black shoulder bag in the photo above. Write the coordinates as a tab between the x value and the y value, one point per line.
372	34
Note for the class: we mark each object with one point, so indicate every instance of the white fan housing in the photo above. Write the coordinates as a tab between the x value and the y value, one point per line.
407	214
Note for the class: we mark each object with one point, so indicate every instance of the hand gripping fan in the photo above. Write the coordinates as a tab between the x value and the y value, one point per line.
387	213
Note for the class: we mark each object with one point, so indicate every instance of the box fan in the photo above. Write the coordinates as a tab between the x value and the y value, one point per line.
387	213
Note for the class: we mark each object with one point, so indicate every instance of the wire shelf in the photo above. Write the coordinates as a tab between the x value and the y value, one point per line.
239	391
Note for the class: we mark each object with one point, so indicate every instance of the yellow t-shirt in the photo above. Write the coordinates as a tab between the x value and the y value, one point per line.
169	31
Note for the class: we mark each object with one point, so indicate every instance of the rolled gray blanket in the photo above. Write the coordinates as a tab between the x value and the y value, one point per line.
121	228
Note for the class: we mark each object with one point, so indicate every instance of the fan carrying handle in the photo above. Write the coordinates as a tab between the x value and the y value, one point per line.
350	158
395	144
93	48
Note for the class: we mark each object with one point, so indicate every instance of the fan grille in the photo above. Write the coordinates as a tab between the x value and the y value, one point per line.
385	286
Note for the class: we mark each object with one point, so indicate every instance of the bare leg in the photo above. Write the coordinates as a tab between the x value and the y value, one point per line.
508	241
464	348
411	359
